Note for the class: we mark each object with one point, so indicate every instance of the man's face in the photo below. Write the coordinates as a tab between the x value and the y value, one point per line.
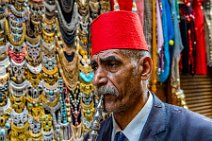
117	78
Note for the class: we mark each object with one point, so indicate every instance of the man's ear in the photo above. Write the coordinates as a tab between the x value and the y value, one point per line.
145	67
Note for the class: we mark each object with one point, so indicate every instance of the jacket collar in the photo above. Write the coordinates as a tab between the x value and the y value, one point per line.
156	123
157	120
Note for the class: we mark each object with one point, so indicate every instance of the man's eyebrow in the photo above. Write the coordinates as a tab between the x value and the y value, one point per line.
109	59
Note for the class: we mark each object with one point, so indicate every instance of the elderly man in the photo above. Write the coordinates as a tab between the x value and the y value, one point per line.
122	66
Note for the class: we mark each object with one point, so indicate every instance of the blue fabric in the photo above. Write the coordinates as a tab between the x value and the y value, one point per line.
178	46
165	23
120	137
167	123
170	25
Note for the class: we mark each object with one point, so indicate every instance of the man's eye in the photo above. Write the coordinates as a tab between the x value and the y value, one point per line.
112	65
94	67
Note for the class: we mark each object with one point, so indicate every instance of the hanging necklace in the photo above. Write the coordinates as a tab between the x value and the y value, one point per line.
17	57
18	90
14	39
35	92
35	129
75	105
68	39
83	8
50	91
49	46
105	6
37	9
6	107
94	8
50	76
19	119
4	63
33	41
67	28
68	69
33	53
34	79
17	71
70	27
19	125
4	78
3	94
34	70
66	5
34	106
50	7
48	136
5	112
87	114
52	108
18	13
49	63
87	98
36	45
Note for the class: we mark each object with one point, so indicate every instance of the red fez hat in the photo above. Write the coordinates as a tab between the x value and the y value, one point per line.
117	30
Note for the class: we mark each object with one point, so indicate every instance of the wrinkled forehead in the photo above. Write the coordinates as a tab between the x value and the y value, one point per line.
107	53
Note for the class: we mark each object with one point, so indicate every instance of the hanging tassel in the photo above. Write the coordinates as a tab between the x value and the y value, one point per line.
116	6
134	8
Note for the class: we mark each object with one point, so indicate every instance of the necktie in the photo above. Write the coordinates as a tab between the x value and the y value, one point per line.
120	137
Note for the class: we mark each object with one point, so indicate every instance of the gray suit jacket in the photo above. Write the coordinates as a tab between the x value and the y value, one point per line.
167	123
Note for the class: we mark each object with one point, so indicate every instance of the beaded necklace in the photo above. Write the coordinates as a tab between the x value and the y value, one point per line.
75	105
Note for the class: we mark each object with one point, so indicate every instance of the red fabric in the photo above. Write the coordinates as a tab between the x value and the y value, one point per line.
140	10
123	4
127	5
201	66
117	30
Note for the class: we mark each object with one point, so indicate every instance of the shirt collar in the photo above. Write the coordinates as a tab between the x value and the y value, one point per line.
135	127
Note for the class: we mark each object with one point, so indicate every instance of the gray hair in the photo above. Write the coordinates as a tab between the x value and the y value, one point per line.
135	55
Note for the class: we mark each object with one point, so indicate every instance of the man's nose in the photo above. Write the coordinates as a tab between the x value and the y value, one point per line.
100	77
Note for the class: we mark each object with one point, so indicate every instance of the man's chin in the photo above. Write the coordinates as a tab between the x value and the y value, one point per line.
109	103
108	110
109	107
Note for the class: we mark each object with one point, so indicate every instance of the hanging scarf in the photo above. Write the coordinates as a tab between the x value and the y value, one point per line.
140	10
208	30
178	47
168	35
176	50
188	34
148	21
160	39
201	66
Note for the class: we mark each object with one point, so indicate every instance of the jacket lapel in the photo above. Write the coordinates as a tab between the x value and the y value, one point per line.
156	122
106	130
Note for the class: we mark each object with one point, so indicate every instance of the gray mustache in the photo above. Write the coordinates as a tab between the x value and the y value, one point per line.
106	90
